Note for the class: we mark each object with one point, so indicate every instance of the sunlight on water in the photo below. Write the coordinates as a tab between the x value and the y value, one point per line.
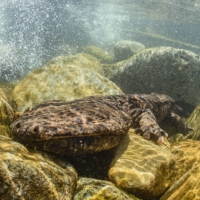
33	32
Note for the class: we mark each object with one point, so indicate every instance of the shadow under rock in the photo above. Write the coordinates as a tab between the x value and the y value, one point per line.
94	165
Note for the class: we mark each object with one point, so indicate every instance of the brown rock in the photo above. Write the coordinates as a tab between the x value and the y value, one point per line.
187	155
186	175
143	168
186	188
27	175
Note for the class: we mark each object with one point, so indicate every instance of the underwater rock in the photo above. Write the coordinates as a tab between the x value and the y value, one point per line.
81	59
187	155
194	122
4	130
7	89
186	188
186	175
60	82
93	189
124	49
102	55
176	137
28	175
6	111
142	167
111	69
6	114
167	70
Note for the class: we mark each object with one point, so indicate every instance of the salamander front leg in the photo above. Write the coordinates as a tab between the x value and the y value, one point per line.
148	126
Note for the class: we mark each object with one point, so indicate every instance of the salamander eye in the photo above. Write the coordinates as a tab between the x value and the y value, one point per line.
18	125
36	129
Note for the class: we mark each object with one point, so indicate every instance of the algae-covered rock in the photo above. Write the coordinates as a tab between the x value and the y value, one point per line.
26	175
93	189
62	82
124	49
142	167
186	188
7	89
186	175
4	130
167	70
187	155
194	122
81	59
6	114
100	54
6	111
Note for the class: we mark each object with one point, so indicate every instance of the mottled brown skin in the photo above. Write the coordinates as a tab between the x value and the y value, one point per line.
94	123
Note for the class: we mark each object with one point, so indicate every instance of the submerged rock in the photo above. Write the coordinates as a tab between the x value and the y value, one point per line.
60	82
6	111
186	188
4	130
6	114
100	54
26	175
93	189
142	167
166	70
194	122
124	49
81	59
7	89
186	175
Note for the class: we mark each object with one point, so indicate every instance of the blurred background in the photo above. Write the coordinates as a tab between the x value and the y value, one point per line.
34	31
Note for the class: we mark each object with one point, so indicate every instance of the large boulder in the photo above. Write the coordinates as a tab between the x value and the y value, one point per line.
60	82
29	175
167	70
83	60
142	167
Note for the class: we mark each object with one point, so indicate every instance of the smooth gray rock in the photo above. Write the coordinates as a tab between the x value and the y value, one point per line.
167	70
